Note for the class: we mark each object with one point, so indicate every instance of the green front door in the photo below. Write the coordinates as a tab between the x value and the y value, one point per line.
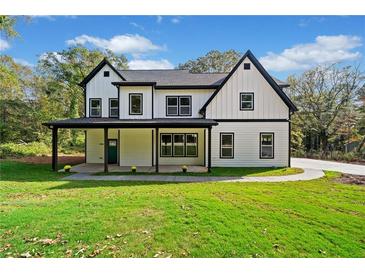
112	151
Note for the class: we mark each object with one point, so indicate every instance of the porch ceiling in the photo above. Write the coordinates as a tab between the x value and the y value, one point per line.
132	123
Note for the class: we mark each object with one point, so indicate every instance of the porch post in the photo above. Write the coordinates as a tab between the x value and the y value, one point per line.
209	148
54	148
157	150
106	149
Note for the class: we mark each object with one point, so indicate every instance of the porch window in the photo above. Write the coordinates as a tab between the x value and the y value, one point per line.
266	145
191	145
179	142
178	106
226	145
246	101
135	104
95	107
113	108
172	106
166	145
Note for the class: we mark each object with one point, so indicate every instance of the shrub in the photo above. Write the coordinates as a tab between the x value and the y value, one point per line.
184	169
26	149
67	168
133	169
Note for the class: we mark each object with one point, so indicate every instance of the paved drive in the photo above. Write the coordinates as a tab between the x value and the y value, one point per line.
308	174
328	165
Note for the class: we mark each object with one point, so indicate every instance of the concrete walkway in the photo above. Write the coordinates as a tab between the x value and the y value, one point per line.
328	165
308	174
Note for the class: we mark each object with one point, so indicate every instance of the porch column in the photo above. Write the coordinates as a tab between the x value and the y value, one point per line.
209	148
54	148
106	149
157	149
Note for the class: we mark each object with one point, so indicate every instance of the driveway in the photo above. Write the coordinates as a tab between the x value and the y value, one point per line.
328	165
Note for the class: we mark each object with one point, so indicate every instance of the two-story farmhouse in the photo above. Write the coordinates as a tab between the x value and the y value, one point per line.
174	117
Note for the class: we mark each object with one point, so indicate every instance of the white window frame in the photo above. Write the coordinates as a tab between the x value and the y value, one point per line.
113	108
272	145
91	108
130	103
246	101
221	146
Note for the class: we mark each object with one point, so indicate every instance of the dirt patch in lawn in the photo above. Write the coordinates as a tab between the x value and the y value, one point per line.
353	179
71	160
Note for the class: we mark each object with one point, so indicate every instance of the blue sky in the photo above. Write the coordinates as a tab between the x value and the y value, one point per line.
284	44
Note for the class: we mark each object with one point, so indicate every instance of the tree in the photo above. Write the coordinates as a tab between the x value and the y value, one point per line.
323	95
7	26
64	70
213	61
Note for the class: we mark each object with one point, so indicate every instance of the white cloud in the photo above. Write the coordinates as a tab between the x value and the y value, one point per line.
4	44
175	20
134	24
48	17
150	64
325	50
23	62
308	20
159	19
127	43
58	56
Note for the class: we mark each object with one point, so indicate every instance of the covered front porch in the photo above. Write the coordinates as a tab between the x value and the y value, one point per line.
146	138
95	168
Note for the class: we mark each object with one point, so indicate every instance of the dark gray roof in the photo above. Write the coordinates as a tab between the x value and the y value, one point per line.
175	77
131	123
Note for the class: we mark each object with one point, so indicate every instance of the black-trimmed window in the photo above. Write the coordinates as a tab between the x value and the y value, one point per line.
246	101
95	107
135	104
178	105
266	145
226	145
246	66
191	145
179	145
166	145
106	73
113	107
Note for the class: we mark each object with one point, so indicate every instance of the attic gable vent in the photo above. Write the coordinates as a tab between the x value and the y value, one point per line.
246	66
106	73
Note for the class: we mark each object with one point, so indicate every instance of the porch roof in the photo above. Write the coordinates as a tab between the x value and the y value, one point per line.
132	123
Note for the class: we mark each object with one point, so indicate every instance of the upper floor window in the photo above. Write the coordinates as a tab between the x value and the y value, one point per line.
246	101
106	73
266	145
246	66
135	104
178	106
226	145
95	107
113	108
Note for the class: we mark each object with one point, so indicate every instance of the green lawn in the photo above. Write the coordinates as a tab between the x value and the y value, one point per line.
225	171
319	218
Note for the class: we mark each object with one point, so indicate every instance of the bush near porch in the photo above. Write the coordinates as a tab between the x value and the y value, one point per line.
43	215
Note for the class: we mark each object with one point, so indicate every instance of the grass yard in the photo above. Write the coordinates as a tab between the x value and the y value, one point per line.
225	171
42	216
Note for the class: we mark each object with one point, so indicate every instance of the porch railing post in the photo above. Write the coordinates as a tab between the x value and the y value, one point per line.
209	148
157	150
54	148
106	149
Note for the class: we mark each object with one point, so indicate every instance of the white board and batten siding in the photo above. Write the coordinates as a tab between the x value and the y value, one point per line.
101	87
198	97
146	92
267	105
246	144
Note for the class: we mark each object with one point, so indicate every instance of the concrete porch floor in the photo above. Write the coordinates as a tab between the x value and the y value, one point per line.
93	168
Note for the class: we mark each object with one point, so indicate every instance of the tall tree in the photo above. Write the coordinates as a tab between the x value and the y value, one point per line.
213	61
323	95
7	26
64	70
